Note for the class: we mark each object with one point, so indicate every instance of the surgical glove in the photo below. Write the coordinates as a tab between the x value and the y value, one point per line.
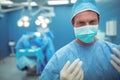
72	71
116	59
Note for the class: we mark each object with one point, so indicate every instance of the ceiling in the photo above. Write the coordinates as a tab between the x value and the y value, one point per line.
38	2
10	5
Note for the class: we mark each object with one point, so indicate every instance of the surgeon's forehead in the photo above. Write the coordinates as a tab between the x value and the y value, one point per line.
86	14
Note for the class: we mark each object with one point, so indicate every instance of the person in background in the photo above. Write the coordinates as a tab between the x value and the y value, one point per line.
86	57
34	46
27	42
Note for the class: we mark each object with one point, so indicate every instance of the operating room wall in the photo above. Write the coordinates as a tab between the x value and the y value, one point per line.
60	25
4	48
110	11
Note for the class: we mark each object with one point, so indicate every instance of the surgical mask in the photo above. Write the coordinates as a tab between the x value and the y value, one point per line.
87	33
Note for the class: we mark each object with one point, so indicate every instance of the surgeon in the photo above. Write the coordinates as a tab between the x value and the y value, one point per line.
26	43
86	57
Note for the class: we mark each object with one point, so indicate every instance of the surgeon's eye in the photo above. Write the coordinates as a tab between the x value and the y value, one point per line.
93	22
80	23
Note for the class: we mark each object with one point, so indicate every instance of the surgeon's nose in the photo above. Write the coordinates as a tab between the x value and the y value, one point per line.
87	24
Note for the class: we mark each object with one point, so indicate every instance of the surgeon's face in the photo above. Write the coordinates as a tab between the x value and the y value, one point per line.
85	18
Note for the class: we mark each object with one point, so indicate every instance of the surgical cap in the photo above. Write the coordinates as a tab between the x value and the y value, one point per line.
84	5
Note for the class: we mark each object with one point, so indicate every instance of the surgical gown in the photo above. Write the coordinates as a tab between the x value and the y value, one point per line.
25	43
96	61
28	58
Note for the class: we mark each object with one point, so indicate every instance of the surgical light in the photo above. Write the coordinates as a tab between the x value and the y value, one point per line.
20	23
25	18
42	21
44	25
37	22
26	24
73	1
24	21
59	2
40	17
47	21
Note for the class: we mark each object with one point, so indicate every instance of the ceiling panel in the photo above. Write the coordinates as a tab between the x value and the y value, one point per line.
18	1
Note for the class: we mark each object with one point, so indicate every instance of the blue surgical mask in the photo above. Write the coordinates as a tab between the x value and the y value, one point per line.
87	33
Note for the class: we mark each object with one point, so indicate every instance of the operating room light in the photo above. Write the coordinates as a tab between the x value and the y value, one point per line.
58	2
25	18
44	25
37	22
24	21
26	24
6	2
20	23
73	1
32	3
47	21
40	17
42	21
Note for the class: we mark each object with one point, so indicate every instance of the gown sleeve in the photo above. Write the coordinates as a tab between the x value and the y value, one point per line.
51	71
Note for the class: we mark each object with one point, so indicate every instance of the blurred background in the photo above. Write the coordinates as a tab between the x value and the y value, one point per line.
51	19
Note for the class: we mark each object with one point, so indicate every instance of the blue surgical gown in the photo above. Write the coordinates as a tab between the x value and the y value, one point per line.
96	61
25	43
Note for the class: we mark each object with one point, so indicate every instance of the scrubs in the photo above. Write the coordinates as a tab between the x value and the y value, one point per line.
26	43
96	61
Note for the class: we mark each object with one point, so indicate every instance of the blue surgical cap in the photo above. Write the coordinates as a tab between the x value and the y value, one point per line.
84	5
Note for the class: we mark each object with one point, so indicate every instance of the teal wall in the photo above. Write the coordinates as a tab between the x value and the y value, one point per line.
4	35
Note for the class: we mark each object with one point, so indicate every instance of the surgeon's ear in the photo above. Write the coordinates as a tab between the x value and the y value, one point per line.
73	21
98	18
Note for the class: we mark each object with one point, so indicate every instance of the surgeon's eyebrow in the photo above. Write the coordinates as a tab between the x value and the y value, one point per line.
94	21
80	22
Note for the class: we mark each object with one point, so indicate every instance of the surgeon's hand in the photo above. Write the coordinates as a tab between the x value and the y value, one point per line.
72	71
116	59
